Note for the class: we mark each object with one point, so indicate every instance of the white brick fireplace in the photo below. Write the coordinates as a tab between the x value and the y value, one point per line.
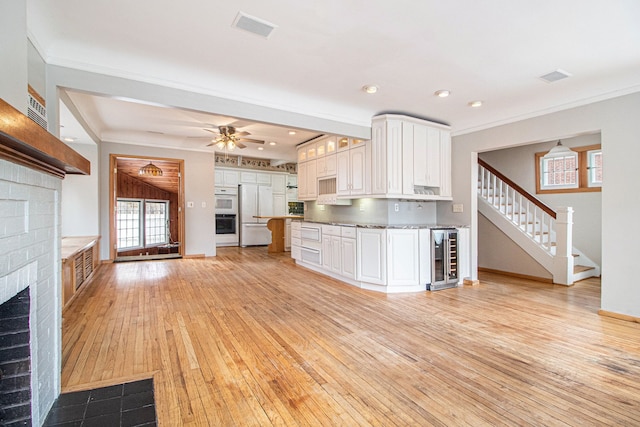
30	257
33	163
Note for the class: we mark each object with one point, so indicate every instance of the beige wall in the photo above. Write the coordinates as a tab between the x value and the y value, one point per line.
496	251
617	121
518	164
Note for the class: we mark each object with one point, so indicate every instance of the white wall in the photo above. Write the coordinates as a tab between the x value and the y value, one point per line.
518	164
199	186
13	53
80	204
617	121
496	251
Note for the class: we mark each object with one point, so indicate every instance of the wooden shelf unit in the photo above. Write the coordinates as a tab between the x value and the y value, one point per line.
80	258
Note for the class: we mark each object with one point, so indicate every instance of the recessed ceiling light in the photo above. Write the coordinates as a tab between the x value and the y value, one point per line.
442	93
475	104
69	138
292	132
370	88
272	143
260	148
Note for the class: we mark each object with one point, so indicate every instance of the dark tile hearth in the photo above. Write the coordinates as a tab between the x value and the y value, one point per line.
126	405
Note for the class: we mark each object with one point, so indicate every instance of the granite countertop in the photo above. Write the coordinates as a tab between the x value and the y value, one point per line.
389	226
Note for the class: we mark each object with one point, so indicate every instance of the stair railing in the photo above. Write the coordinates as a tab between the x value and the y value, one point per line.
548	229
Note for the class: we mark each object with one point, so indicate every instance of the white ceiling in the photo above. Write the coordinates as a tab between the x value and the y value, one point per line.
323	52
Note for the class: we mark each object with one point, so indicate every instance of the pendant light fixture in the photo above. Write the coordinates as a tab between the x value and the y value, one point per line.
150	170
558	150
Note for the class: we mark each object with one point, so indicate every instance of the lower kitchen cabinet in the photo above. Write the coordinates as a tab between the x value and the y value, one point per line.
332	253
372	255
382	259
403	267
349	258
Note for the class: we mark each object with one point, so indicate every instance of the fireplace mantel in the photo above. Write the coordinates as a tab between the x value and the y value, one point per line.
25	142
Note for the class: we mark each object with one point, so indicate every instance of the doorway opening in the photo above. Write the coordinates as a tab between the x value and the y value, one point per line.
146	211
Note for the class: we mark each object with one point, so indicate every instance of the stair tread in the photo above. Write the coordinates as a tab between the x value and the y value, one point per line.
581	268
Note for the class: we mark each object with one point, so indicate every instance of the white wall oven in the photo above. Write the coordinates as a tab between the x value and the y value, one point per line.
226	207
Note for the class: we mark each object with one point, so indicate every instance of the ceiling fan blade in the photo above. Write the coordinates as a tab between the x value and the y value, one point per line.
243	133
212	130
240	145
239	123
255	141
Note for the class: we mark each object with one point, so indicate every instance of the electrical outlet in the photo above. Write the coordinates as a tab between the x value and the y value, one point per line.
362	206
204	204
190	204
396	207
458	207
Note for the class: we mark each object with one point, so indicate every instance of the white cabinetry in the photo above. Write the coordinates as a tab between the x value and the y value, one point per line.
402	258
308	171
326	166
263	178
307	180
386	157
226	178
247	177
279	189
296	240
279	183
349	252
332	248
372	255
339	250
410	157
445	165
352	171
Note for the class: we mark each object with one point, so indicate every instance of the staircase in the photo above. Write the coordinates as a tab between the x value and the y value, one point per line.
545	234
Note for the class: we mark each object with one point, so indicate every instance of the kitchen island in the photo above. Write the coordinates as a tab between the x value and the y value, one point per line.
381	257
276	225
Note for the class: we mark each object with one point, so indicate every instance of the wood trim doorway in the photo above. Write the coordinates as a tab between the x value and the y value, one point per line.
172	181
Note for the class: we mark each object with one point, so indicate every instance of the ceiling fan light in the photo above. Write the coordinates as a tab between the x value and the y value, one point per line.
220	144
231	145
150	170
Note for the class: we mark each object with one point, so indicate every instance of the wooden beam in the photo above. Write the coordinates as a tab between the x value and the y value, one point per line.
25	142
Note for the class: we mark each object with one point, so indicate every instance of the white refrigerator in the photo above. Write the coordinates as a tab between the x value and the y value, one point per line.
255	200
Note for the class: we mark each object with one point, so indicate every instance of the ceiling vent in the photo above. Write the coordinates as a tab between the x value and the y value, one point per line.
554	76
254	25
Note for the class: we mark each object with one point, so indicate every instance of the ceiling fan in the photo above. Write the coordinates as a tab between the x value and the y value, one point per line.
229	138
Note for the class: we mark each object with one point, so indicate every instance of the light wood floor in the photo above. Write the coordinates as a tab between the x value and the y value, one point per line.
249	338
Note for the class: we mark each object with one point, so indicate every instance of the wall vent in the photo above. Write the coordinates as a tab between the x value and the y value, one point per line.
254	25
554	76
37	112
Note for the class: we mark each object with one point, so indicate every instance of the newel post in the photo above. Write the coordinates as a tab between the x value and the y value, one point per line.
563	261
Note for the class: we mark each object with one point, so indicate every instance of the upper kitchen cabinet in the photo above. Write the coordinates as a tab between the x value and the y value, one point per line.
279	183
353	171
346	143
326	146
307	180
226	178
411	158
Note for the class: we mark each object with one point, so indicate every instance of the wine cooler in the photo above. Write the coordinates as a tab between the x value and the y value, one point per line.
444	258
